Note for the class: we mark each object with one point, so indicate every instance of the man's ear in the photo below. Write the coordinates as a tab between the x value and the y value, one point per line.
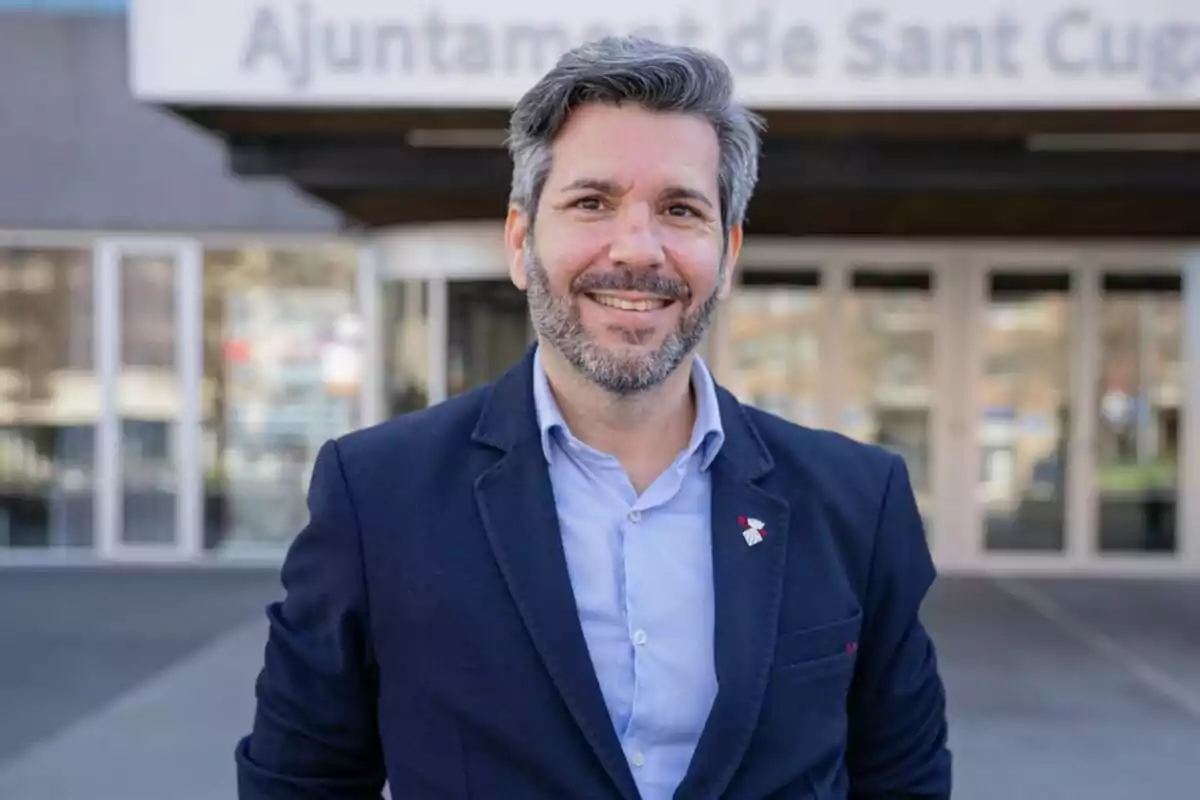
516	229
732	249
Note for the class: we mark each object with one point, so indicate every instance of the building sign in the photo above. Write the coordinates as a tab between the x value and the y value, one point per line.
785	53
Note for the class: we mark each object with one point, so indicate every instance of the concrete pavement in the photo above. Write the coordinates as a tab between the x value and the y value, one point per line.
136	683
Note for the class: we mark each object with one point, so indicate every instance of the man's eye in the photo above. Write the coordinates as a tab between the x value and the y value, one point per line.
588	203
680	210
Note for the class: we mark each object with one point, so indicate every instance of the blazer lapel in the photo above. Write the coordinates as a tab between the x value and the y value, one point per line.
748	587
516	503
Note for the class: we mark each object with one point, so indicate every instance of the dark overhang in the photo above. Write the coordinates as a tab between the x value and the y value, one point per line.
899	123
793	165
900	173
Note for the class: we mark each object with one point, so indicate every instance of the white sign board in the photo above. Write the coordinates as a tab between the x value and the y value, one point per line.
877	54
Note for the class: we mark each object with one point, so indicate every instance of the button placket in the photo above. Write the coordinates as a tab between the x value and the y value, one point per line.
637	637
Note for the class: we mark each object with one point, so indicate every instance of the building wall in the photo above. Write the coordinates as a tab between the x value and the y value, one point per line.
172	400
77	152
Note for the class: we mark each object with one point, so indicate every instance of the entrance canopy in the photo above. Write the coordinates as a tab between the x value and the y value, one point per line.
943	118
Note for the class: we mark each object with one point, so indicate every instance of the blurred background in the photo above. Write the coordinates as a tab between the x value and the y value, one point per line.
230	230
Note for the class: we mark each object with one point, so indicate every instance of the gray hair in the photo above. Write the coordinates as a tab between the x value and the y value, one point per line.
655	76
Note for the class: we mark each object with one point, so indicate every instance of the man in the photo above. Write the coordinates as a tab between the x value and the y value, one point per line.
602	576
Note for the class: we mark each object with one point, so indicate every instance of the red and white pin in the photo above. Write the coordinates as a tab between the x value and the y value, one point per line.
755	530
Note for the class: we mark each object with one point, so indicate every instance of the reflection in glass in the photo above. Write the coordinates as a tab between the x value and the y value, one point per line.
282	360
489	331
406	346
49	399
1138	403
1025	399
890	322
775	330
148	399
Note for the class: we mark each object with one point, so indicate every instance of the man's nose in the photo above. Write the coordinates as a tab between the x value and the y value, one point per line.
636	238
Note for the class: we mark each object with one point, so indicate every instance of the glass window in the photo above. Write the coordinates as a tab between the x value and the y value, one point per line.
49	399
775	330
283	349
148	399
1025	398
1139	401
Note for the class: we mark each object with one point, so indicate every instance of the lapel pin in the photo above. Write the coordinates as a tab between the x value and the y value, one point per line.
754	531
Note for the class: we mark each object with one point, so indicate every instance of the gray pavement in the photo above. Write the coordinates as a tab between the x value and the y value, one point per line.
75	639
135	684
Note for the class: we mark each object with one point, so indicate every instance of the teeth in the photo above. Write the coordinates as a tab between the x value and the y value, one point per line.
628	305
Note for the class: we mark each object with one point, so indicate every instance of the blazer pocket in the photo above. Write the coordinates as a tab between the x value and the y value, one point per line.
823	650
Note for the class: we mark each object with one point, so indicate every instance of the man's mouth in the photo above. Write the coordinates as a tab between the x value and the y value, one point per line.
630	303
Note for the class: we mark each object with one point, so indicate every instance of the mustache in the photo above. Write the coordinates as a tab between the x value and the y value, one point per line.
626	280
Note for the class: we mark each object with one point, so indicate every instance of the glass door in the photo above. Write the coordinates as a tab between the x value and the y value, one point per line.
1139	401
889	324
1027	357
149	353
406	348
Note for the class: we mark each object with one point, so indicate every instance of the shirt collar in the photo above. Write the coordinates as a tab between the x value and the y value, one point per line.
707	433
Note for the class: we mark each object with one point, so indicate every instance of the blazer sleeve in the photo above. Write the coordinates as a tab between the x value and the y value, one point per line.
315	733
898	731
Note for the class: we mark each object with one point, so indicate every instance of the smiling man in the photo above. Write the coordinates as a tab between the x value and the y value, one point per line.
603	576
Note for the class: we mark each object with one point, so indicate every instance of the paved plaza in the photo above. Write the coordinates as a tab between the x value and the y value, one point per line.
123	684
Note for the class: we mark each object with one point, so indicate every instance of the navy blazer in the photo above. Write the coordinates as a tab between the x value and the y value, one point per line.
429	635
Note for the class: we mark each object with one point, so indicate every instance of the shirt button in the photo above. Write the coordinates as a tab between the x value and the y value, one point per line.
635	516
639	637
638	759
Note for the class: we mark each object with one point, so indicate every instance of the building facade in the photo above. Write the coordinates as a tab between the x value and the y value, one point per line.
229	235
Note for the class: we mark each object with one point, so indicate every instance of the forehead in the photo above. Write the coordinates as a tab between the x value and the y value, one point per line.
635	146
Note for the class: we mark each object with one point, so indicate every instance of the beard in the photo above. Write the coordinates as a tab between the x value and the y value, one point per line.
558	322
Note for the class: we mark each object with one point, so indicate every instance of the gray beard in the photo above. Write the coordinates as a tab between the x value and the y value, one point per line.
558	323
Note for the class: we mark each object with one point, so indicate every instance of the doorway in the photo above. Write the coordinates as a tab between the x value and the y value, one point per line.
440	338
488	331
1077	410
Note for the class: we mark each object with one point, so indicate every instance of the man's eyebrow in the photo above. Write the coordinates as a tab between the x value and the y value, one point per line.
594	184
684	193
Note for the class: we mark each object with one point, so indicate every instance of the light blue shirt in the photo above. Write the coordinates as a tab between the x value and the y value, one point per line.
641	569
